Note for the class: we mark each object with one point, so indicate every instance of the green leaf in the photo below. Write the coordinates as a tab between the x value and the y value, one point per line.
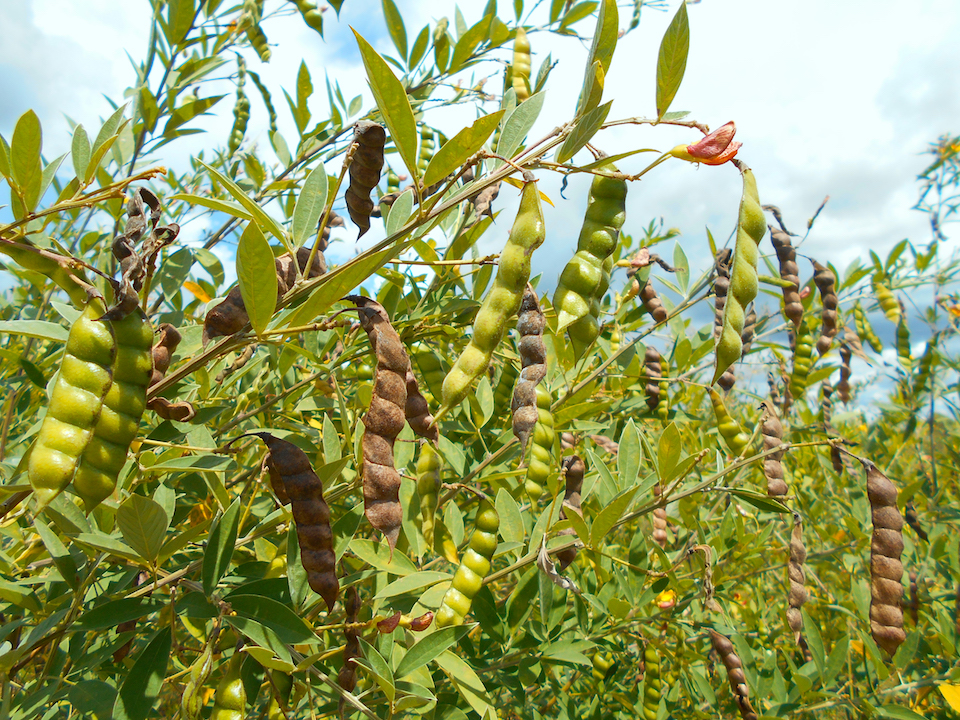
393	103
274	615
584	131
109	130
517	125
610	514
628	456
379	557
468	43
140	689
811	633
453	153
413	582
430	647
93	697
310	205
107	544
225	206
212	463
216	558
110	614
261	635
898	712
466	681
58	553
511	521
672	61
760	501
40	329
398	33
25	166
257	277
378	667
263	220
600	57
668	452
172	546
296	575
419	47
143	524
80	151
400	212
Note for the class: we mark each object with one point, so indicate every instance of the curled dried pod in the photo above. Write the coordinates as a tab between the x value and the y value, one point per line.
568	441
573	470
772	432
738	681
652	303
230	316
605	443
826	282
843	387
384	421
369	139
659	519
417	411
886	570
310	513
797	578
483	201
333	221
653	370
533	359
790	272
163	350
181	411
910	515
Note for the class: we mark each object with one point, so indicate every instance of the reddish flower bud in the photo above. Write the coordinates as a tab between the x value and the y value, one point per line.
715	149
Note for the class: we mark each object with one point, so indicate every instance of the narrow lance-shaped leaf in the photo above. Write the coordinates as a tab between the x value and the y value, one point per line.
398	32
139	691
257	277
461	146
672	61
310	205
601	55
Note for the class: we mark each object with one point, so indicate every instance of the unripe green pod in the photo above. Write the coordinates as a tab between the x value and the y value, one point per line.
258	40
585	331
903	345
751	227
428	146
582	278
474	567
191	702
429	465
541	462
802	361
602	665
230	698
652	683
503	392
311	15
283	685
731	432
928	360
865	329
520	70
886	299
503	299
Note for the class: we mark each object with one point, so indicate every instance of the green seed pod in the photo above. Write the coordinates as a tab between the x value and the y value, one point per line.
429	465
929	360
230	698
241	112
751	227
503	299
428	148
802	361
585	331
393	181
311	15
258	40
541	462
903	345
602	666
652	683
733	435
474	567
283	686
520	70
582	277
865	329
886	299
191	701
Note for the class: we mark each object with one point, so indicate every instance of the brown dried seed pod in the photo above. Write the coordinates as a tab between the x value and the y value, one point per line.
568	441
773	382
369	139
738	681
653	370
384	420
886	570
721	286
797	578
333	221
483	201
652	303
181	411
163	350
790	272
772	432
910	515
347	677
275	480
310	512
417	411
608	445
533	357
573	470
826	283
749	330
843	387
230	316
659	520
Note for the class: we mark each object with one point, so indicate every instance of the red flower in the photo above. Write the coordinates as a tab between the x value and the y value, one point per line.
715	149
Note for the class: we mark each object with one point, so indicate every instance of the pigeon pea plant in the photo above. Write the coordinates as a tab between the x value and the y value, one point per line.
749	561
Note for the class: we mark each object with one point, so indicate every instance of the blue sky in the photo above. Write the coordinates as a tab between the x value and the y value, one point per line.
830	98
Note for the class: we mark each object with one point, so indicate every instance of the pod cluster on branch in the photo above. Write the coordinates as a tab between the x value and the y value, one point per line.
533	358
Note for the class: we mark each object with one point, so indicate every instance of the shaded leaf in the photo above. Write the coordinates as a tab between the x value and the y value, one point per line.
216	558
142	685
429	647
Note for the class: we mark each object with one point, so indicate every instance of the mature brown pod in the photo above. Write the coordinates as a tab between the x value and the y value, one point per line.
347	677
369	139
417	411
384	421
605	443
886	570
652	303
738	681
483	201
910	515
533	357
653	370
333	221
162	352
230	316
659	519
797	578
790	272
310	512
573	470
749	330
843	387
826	283
772	432
721	286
